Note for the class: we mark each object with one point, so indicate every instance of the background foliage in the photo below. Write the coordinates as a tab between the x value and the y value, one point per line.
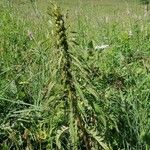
112	85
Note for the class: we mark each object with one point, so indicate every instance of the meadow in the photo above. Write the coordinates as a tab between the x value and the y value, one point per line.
74	75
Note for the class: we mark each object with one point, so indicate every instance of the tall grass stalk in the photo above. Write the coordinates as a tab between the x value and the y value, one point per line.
70	95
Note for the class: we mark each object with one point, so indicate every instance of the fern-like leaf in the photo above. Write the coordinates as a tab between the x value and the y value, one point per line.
94	134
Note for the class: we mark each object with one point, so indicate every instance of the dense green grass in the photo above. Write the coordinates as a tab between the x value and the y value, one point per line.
112	86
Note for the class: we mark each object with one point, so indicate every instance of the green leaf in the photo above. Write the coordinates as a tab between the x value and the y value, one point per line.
59	135
94	134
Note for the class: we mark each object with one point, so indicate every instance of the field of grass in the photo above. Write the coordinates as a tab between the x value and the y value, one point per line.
75	79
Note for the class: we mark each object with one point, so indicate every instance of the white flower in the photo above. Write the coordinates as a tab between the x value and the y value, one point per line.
101	47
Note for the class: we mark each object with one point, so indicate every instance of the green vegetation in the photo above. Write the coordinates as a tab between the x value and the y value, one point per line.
75	78
146	3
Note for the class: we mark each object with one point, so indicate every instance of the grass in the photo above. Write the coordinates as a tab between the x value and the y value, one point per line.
58	92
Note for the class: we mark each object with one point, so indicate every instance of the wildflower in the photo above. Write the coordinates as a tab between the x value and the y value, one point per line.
101	47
